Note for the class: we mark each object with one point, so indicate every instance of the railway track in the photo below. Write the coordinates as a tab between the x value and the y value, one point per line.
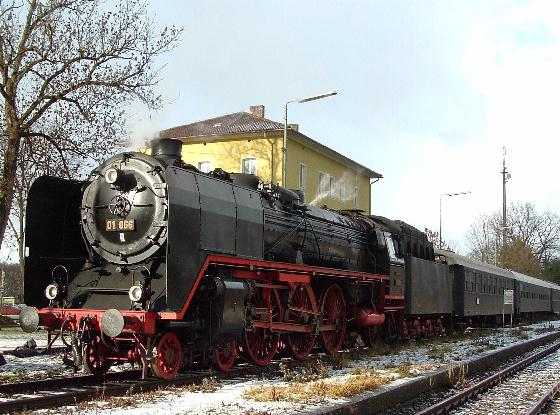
510	390
545	400
65	391
33	395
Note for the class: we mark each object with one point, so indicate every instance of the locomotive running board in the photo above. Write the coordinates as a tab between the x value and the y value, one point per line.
267	271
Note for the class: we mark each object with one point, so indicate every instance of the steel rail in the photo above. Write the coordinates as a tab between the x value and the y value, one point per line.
547	397
73	389
73	394
456	400
58	382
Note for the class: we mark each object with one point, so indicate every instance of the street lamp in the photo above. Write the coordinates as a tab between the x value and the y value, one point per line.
285	142
440	197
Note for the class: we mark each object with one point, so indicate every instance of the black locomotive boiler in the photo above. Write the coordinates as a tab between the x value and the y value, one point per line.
151	261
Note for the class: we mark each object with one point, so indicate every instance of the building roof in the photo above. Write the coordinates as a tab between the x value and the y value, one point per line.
244	122
455	259
238	122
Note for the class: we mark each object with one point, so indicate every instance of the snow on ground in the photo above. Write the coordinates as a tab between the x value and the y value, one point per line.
12	337
34	367
227	397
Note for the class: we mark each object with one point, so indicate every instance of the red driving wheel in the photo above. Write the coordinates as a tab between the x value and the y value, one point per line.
94	358
370	335
333	312
258	344
167	356
300	311
225	355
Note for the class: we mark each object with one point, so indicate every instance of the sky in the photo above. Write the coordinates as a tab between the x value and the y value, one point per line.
429	93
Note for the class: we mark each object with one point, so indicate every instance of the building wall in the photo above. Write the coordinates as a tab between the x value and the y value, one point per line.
336	194
228	154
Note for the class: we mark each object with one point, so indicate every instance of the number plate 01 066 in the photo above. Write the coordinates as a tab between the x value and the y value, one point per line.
119	225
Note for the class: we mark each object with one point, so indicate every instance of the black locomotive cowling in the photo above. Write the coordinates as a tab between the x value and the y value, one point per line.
55	250
151	221
125	221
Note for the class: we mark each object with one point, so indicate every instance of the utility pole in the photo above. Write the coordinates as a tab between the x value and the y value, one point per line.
2	275
505	177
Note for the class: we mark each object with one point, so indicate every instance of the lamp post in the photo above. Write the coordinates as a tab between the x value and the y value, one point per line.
285	141
440	198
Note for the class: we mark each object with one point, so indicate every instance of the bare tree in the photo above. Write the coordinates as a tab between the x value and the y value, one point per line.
43	160
72	65
433	237
538	231
517	256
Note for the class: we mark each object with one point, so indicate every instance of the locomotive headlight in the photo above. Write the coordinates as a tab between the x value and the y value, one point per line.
135	293
113	175
51	292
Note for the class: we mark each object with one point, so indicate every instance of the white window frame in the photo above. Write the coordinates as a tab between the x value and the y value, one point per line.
249	158
332	187
342	192
302	175
323	182
203	162
356	197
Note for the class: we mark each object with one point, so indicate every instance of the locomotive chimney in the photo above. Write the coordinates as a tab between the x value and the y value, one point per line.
166	148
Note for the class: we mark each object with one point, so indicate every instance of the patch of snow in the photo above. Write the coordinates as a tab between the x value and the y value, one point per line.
422	357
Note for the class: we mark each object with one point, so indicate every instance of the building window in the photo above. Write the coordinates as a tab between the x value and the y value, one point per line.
332	187
356	197
249	165
323	183
205	166
342	185
302	175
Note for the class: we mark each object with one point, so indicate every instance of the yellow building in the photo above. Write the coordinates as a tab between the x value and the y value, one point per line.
247	142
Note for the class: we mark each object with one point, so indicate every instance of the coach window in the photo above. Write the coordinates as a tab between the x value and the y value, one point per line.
249	165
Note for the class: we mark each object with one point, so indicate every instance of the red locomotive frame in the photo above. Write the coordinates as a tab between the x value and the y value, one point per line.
308	316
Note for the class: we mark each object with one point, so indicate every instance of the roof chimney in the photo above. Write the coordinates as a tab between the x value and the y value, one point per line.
257	111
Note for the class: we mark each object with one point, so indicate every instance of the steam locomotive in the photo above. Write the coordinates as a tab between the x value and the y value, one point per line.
153	262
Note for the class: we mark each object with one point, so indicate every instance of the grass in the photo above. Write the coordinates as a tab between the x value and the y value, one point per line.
458	376
404	370
520	334
208	385
12	377
20	376
318	391
545	328
437	352
10	329
310	371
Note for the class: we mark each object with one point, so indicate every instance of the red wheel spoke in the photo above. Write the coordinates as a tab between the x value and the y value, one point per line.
168	356
300	345
333	311
225	355
260	345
